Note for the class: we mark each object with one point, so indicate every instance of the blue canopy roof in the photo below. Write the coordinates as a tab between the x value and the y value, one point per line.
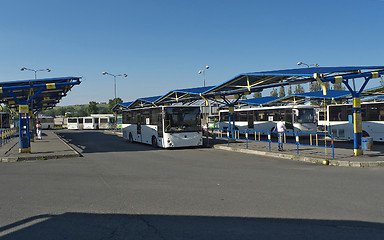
39	94
257	81
183	94
259	101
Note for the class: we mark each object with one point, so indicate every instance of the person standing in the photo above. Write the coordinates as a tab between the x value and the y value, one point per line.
38	130
280	127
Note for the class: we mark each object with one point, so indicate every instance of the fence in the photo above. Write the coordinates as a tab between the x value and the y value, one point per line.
114	127
312	139
7	135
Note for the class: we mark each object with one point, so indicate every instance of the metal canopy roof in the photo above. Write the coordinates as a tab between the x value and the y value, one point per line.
257	81
183	94
300	97
259	101
141	102
39	94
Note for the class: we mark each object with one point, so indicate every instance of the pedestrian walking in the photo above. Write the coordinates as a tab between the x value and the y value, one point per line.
280	127
38	130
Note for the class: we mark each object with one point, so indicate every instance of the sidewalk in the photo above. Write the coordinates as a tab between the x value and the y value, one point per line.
344	154
50	147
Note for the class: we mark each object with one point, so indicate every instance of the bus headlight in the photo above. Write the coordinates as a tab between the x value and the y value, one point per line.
170	143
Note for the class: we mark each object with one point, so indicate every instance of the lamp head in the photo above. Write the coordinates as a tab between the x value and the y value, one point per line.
200	71
125	75
48	70
316	65
207	67
22	69
104	73
299	63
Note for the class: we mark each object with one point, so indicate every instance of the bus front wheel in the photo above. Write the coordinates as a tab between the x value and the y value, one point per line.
154	142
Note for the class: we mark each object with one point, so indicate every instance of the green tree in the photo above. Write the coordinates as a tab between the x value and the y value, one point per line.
299	89
314	86
257	95
282	91
290	90
83	111
111	103
274	93
338	86
92	108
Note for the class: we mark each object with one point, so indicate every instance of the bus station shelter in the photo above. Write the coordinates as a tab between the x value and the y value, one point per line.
354	78
29	97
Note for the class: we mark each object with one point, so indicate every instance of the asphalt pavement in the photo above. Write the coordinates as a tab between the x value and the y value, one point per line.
119	190
52	146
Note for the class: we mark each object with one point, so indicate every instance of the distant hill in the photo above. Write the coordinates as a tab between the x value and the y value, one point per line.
79	110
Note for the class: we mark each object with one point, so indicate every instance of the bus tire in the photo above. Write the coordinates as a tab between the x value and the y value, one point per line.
130	138
154	142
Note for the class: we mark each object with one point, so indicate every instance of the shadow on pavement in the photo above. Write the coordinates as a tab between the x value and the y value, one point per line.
125	226
96	141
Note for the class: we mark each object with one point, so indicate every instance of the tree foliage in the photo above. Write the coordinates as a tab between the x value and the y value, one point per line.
257	95
282	91
290	90
299	89
274	93
112	103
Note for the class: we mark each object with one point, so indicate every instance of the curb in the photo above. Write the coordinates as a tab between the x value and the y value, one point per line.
67	144
304	159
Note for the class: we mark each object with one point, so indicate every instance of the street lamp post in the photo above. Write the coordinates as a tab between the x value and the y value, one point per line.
33	70
203	72
308	65
114	80
206	103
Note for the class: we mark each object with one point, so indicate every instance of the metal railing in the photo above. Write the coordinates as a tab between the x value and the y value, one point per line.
312	139
7	135
114	127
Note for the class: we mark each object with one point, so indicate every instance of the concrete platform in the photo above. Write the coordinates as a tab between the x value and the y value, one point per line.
51	146
343	152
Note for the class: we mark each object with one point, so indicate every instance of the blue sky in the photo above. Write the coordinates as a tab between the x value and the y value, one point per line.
161	44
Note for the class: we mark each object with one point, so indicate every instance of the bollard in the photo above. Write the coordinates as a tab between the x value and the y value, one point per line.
269	140
317	140
297	143
246	138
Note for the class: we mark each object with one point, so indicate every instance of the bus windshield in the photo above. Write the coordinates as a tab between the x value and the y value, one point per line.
182	119
305	116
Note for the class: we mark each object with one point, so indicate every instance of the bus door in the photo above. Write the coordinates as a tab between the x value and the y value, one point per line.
138	117
250	120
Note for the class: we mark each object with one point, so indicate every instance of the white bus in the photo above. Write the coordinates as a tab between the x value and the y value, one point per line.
165	126
105	120
340	120
298	118
91	123
46	122
75	123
